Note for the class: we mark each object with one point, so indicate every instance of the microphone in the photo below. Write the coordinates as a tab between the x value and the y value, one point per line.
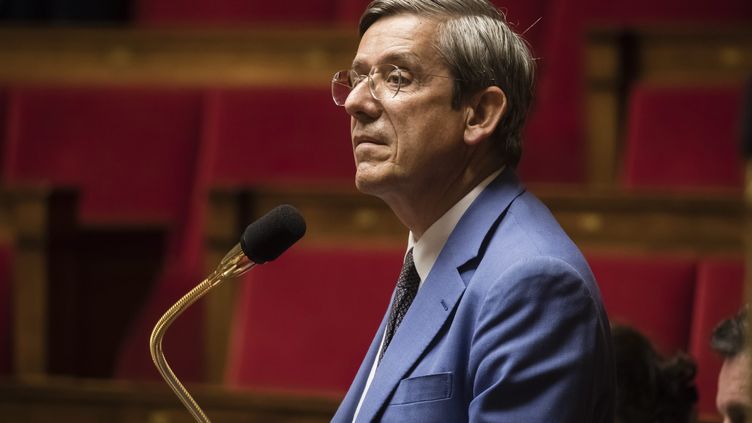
271	235
262	241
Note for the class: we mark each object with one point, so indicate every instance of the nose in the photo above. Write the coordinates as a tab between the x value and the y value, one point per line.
361	105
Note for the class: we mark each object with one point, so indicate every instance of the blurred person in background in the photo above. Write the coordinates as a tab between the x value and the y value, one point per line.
734	399
649	387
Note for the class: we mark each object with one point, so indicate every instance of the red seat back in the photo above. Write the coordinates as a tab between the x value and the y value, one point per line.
683	138
651	294
277	135
305	321
131	152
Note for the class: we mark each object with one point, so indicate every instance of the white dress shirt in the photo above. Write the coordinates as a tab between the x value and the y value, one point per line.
426	250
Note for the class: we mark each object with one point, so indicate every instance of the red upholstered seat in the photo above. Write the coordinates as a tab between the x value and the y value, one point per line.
278	134
305	321
131	151
719	295
679	137
554	146
5	310
651	294
232	12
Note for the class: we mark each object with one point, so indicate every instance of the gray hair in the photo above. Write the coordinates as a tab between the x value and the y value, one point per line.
728	336
477	44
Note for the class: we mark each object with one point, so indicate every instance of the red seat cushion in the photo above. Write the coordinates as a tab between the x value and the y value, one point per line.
683	138
305	321
719	295
651	294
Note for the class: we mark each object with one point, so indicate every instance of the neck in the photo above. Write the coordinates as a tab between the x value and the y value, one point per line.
419	210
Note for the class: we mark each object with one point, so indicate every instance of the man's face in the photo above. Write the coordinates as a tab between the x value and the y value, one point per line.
733	400
406	144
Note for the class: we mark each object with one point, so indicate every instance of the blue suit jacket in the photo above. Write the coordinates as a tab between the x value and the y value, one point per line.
508	327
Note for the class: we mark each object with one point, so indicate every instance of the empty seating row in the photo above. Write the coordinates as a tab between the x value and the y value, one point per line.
136	152
147	155
304	322
671	299
152	153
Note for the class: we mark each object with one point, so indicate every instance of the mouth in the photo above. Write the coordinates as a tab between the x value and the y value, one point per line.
364	139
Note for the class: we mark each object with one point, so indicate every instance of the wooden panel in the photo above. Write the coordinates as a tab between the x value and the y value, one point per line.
695	55
33	220
75	289
705	222
645	222
95	401
281	56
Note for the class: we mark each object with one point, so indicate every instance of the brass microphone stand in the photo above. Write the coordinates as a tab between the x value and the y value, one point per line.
234	264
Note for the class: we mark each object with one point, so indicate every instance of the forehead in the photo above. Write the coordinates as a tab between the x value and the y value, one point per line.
733	382
405	39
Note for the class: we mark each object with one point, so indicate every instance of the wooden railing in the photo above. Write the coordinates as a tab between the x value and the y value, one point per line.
97	401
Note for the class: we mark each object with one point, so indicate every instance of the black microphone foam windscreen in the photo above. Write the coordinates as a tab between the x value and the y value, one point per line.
272	234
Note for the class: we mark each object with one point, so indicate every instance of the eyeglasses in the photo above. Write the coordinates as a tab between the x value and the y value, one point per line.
384	81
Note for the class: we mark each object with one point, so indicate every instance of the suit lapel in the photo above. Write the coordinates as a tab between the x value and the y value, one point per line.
427	314
437	298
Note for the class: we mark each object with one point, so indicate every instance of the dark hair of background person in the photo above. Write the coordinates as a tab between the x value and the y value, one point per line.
728	336
649	387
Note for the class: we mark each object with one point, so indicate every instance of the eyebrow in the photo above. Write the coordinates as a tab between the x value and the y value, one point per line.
396	58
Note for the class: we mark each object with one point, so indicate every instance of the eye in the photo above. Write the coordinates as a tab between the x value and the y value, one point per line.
393	78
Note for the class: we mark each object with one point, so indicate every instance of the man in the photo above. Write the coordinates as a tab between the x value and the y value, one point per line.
496	315
733	399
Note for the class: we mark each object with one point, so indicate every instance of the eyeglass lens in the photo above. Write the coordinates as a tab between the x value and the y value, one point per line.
384	81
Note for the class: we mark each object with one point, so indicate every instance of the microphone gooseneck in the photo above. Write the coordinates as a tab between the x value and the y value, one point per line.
263	240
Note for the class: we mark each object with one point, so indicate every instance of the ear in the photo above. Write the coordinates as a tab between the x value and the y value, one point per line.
483	114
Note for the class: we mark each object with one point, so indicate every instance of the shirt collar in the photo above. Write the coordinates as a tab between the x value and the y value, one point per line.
426	250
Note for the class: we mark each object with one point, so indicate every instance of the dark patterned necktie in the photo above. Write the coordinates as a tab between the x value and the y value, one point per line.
407	287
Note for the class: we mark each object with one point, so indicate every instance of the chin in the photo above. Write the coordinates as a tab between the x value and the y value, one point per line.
371	183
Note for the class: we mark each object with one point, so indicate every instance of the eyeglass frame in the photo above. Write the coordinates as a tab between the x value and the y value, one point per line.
371	83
